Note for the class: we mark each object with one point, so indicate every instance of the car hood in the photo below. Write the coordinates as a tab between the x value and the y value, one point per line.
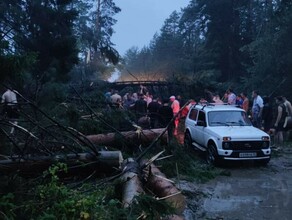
237	132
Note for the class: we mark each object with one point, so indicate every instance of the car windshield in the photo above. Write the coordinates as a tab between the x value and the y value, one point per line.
228	118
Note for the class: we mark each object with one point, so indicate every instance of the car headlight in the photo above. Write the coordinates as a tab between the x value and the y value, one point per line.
226	138
265	138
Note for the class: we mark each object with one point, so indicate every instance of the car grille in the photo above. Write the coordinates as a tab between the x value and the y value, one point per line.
248	145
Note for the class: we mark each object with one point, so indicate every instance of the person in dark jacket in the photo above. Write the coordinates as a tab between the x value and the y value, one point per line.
165	115
140	107
267	115
153	108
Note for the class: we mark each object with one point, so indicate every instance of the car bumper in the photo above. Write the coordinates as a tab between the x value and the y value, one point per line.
245	155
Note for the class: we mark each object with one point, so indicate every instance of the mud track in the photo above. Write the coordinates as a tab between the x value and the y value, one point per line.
249	192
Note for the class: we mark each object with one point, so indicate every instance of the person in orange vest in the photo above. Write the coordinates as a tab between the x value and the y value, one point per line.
175	109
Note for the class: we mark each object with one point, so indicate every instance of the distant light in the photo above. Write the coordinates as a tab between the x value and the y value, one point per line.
115	75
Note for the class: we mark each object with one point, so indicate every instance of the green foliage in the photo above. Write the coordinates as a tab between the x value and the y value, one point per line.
57	201
52	94
6	206
51	199
187	165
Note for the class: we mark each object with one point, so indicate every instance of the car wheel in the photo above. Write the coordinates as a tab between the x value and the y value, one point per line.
211	155
187	141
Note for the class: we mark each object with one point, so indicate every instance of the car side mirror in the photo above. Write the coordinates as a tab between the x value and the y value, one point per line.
201	123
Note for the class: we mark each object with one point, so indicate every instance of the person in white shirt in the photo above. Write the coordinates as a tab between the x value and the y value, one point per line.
231	100
116	99
10	106
257	109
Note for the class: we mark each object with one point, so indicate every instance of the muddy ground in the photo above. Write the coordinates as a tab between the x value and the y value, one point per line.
249	192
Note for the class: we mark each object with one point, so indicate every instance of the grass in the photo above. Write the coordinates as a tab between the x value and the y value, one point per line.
188	165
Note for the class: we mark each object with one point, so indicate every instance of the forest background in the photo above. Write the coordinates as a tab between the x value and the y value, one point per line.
208	44
50	48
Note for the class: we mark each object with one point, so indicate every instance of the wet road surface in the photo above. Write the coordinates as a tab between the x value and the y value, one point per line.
250	192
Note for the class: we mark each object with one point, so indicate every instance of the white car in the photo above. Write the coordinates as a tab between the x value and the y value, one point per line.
225	132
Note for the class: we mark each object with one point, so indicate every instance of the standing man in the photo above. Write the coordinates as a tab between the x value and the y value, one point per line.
140	107
10	107
245	103
175	109
288	117
153	108
165	115
288	106
280	120
267	116
257	109
116	99
231	100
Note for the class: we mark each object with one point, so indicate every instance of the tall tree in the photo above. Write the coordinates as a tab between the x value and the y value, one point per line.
223	36
103	29
42	28
12	62
168	45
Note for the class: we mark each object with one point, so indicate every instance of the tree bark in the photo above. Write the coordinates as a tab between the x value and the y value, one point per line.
130	138
165	189
130	182
105	161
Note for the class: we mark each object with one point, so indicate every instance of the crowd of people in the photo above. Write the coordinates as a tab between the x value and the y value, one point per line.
150	111
275	121
154	112
261	110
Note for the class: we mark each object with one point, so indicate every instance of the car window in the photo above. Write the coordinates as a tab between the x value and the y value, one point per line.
202	116
193	114
228	118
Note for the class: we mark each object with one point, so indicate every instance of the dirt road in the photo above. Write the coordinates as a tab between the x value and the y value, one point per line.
250	192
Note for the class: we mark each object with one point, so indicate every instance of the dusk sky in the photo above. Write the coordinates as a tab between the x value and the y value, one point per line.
139	20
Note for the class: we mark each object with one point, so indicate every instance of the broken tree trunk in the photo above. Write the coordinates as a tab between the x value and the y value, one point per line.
105	161
130	181
131	138
165	188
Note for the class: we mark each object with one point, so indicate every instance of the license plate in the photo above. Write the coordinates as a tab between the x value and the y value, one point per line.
247	154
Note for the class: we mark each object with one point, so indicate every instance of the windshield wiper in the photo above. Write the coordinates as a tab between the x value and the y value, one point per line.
220	123
240	123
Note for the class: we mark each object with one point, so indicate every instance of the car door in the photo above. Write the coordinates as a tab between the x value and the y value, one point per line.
200	128
191	122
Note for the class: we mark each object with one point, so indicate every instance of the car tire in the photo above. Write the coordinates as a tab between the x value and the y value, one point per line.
188	140
212	155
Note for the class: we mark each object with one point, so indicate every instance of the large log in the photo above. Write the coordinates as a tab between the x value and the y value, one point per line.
130	181
165	189
105	161
130	138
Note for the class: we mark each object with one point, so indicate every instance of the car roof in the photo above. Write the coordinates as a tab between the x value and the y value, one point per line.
217	107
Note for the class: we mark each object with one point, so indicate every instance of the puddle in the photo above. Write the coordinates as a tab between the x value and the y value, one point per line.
248	194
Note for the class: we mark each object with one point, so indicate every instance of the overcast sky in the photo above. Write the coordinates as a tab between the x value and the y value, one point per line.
139	20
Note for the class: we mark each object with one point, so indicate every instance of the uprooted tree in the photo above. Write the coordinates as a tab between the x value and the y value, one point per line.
47	142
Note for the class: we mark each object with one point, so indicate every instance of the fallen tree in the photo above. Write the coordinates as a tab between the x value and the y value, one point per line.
130	138
164	188
137	179
133	183
130	181
105	161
